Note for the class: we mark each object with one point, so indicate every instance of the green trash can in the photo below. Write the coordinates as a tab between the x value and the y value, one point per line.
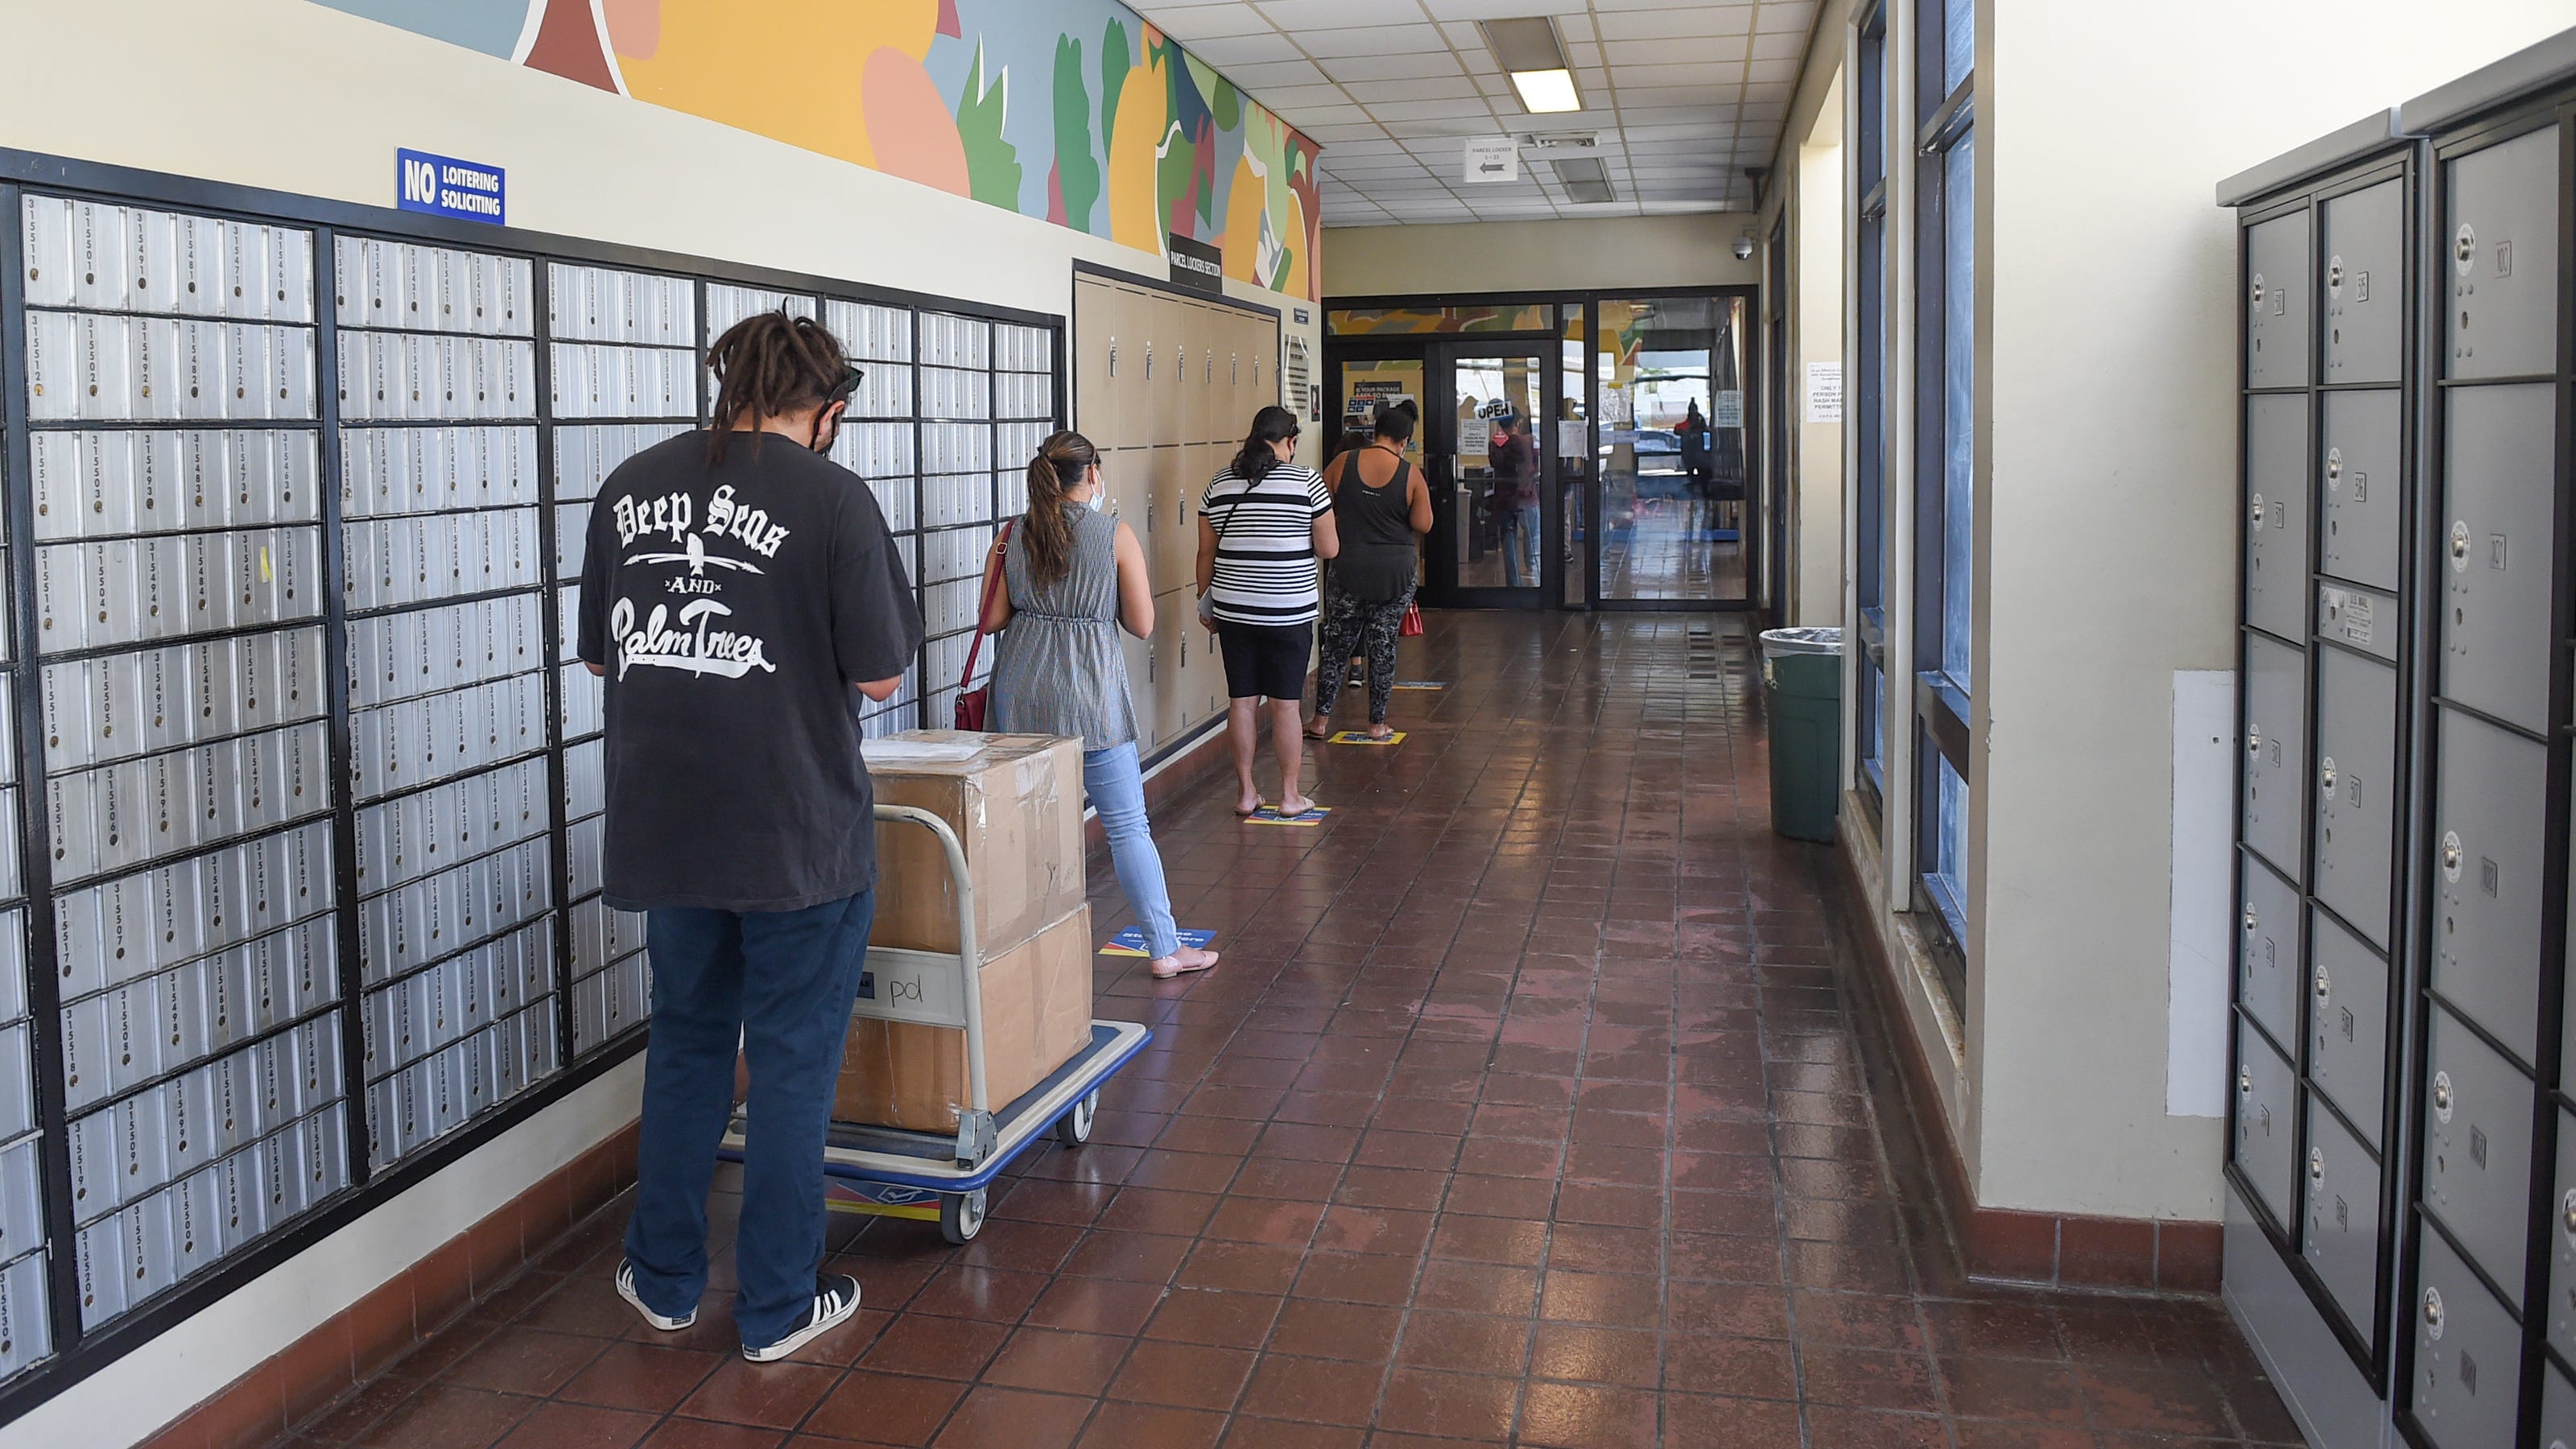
1802	675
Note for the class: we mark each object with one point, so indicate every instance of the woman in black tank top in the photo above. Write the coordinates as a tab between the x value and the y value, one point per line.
1372	579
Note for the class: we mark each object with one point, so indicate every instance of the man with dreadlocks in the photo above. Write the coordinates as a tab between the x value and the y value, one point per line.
740	589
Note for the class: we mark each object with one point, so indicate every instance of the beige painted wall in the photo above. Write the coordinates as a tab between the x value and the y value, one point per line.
304	99
1512	256
1816	328
2108	499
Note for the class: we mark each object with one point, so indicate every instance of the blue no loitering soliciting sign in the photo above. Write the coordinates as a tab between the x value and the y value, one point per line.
445	186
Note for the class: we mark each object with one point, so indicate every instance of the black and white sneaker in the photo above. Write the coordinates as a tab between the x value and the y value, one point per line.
626	1290
836	1297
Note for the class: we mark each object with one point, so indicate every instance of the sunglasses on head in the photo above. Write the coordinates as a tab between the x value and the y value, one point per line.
847	387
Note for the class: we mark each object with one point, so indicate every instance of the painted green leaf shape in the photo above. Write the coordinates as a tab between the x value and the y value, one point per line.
1114	65
992	164
1077	168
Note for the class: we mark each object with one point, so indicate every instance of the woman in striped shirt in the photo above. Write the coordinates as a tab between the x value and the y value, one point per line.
1264	524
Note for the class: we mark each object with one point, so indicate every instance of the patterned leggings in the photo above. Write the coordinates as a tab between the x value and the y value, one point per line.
1347	624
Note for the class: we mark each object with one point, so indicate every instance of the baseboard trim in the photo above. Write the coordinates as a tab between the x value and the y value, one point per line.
2059	1250
264	1404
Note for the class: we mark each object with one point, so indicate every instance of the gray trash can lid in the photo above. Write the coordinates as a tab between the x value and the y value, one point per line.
1810	639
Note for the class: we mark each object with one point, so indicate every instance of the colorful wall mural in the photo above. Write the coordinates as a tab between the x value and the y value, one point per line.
1076	111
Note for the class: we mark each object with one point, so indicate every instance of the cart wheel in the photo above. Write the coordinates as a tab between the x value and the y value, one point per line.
961	1216
1074	1128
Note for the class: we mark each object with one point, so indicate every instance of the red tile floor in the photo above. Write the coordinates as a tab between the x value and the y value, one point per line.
1534	1104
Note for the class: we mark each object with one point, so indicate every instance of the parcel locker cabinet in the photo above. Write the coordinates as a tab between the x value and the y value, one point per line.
2365	292
2500	237
2499	448
2278	262
2357	790
2277	514
2348	1024
2340	1239
2467	1384
2275	736
2489	843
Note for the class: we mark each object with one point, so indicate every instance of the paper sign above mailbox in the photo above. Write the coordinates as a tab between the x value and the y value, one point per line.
445	186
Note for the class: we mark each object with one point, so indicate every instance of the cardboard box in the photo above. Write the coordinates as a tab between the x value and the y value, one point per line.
1015	802
1037	1015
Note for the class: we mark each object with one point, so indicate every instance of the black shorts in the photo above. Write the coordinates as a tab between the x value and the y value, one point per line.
1265	659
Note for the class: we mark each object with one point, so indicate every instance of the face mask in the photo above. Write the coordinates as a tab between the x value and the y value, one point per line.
1093	502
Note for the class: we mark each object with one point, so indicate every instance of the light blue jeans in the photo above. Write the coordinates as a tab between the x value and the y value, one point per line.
1116	785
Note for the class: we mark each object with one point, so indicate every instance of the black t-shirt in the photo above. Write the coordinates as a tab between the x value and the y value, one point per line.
734	605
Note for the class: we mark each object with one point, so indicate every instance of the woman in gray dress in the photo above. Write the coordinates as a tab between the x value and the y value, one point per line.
1073	576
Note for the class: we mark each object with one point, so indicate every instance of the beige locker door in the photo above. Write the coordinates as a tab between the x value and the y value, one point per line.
1168	552
1166	409
1171	616
1123	478
1207	376
1140	687
1098	320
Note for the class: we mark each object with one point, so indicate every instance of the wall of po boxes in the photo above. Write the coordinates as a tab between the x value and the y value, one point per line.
300	800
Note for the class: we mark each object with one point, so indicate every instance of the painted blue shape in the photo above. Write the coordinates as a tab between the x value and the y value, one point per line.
490	26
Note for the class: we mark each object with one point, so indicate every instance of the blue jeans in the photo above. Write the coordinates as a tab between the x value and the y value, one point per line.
1116	786
778	985
1519	538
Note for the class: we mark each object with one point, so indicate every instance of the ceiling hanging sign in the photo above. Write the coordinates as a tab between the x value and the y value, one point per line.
1196	265
445	186
1493	159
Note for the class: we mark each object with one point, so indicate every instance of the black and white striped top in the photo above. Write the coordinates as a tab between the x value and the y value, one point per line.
1265	547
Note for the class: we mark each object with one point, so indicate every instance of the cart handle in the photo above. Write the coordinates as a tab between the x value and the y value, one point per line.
968	962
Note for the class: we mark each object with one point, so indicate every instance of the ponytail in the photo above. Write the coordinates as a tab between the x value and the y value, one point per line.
770	364
1060	463
1256	459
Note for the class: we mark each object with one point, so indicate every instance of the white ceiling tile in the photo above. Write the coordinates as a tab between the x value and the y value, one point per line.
1374	146
1673	49
1231	52
1774	91
1788	15
1650	24
1430	110
1791	47
1295	15
1277	73
1496	9
1188	23
1441	88
1391	67
1373	40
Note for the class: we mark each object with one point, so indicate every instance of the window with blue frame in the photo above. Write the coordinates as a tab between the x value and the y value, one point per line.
1869	412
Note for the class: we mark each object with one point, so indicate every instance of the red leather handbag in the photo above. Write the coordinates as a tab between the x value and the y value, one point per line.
1411	628
972	704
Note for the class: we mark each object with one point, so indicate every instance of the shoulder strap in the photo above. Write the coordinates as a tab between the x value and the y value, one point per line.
983	610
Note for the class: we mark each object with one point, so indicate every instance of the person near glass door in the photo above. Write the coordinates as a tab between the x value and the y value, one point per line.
1380	506
1515	465
1264	523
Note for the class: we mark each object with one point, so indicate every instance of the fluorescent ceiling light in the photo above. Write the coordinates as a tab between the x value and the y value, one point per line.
1546	92
1585	179
1529	51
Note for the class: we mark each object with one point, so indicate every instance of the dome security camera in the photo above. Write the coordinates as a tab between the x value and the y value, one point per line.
1744	249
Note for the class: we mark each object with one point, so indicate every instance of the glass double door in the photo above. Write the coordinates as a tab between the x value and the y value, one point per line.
1485	448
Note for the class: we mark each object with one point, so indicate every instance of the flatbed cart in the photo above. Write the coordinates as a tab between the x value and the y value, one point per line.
937	1176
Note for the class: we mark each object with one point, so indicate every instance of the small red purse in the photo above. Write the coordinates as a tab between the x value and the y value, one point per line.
972	704
1411	628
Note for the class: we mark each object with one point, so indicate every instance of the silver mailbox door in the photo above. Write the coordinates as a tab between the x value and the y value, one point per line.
2266	1096
2277	286
2360	512
2348	1022
2498	448
2356	795
2342	1238
2477	1147
2276	515
2365	291
2500	233
2275	738
2557	1411
2468	1354
2562	1240
2268	959
2487	838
